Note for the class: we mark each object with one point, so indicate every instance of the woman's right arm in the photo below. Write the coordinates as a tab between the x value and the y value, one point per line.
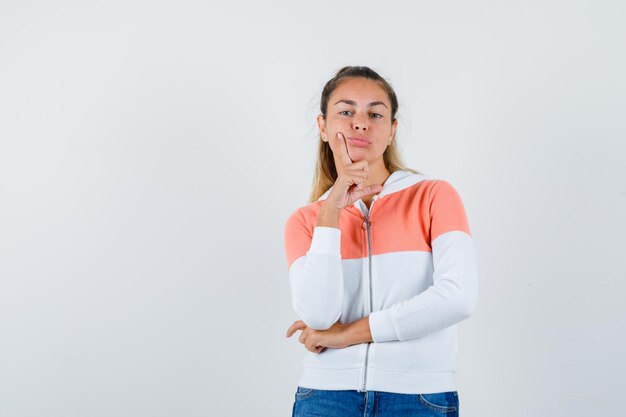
314	261
314	256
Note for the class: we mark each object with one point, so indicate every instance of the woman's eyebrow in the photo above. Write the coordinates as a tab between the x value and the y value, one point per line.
353	103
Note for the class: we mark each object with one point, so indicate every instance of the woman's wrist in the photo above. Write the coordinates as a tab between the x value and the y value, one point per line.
328	216
359	331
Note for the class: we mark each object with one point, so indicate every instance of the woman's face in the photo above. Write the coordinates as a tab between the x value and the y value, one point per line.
359	108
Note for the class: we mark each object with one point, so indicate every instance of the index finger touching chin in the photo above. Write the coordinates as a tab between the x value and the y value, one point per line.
343	150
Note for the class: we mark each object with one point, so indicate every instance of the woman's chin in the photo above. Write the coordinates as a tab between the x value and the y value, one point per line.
361	156
358	153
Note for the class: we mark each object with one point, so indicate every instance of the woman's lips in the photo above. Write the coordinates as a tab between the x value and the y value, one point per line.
362	143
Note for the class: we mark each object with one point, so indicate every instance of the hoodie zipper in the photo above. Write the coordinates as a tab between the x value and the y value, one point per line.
369	264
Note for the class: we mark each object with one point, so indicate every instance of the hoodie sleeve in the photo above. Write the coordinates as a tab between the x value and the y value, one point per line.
454	293
315	272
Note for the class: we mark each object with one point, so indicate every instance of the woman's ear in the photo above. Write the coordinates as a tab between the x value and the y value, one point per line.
321	123
394	125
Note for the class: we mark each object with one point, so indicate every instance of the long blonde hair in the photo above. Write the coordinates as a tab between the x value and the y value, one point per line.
325	170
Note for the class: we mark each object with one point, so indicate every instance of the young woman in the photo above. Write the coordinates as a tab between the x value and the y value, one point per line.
381	267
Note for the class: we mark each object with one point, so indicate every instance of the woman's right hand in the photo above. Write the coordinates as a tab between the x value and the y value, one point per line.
351	176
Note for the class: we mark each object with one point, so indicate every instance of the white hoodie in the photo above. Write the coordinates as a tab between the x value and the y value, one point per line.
408	263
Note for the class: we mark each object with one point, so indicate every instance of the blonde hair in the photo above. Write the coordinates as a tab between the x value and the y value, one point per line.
325	170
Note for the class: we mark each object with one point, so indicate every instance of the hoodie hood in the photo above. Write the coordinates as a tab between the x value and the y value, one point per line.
398	180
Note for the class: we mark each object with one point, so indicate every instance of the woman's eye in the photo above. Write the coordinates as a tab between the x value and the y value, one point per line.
375	115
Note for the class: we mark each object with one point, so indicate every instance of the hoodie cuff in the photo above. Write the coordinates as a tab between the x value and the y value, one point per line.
381	326
326	240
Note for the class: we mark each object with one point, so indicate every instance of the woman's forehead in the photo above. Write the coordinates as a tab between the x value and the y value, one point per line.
360	91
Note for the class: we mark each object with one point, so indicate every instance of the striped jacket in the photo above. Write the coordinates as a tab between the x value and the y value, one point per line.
407	262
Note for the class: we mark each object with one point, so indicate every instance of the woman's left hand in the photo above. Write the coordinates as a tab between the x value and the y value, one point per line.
317	341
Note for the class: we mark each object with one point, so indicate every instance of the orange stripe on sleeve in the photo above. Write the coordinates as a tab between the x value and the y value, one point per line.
446	210
298	236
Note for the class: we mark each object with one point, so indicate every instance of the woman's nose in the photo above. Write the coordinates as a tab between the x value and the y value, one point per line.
359	124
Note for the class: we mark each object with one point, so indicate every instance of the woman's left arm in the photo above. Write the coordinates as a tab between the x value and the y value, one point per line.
454	293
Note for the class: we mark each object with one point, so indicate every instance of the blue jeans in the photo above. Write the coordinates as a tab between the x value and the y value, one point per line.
351	403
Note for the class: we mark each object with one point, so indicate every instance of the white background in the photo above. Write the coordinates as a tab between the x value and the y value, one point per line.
151	151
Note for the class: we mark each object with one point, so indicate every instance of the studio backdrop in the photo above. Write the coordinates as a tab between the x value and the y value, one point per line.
151	152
